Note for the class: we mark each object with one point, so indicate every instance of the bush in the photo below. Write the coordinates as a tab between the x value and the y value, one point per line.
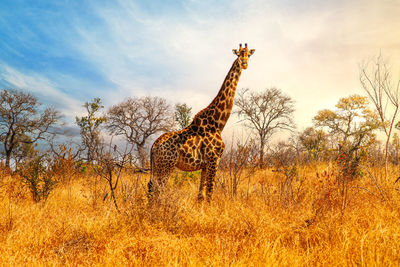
39	180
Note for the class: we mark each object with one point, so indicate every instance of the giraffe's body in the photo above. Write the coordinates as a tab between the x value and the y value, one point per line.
198	146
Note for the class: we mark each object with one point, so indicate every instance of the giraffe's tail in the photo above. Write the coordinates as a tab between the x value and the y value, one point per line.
150	185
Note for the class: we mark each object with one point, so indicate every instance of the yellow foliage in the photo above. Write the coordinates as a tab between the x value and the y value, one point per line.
271	222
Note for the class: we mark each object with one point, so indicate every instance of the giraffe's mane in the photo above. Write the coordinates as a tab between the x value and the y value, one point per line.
194	121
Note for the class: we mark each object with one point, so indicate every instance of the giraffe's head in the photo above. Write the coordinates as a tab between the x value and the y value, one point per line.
243	55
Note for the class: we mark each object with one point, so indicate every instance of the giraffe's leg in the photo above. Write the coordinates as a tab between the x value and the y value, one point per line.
159	181
159	177
157	184
157	187
200	196
210	176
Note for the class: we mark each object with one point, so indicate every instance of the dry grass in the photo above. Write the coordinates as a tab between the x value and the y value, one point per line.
270	222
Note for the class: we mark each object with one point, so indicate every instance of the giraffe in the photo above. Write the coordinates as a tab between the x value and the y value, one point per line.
199	146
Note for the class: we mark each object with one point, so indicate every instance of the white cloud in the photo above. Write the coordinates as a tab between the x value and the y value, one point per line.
47	92
310	50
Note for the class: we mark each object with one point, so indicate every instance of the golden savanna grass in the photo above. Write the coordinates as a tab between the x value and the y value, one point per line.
272	221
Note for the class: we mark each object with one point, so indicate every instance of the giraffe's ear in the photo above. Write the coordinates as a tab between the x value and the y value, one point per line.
252	51
235	51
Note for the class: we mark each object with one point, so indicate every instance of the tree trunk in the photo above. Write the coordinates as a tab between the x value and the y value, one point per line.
8	157
8	161
142	155
262	145
387	154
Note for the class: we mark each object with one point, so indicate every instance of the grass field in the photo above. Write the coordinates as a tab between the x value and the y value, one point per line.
303	220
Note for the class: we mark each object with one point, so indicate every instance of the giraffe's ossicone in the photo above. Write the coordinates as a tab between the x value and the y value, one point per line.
198	146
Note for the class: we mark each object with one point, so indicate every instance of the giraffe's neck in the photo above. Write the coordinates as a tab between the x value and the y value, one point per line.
216	115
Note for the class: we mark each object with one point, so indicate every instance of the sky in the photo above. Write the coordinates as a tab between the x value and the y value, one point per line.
68	52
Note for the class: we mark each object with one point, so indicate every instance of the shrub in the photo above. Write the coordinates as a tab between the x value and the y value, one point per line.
39	180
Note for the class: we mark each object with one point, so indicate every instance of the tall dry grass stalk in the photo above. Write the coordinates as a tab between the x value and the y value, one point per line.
262	225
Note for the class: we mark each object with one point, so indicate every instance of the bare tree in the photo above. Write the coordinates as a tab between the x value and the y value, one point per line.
90	129
183	115
22	121
265	113
376	80
283	157
237	161
139	118
110	166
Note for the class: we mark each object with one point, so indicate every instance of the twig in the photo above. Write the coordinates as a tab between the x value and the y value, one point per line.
365	189
374	180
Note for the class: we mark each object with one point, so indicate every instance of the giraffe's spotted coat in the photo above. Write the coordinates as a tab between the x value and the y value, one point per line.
199	146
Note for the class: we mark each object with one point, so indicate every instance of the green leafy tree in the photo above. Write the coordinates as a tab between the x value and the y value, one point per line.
314	141
38	178
183	115
90	126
